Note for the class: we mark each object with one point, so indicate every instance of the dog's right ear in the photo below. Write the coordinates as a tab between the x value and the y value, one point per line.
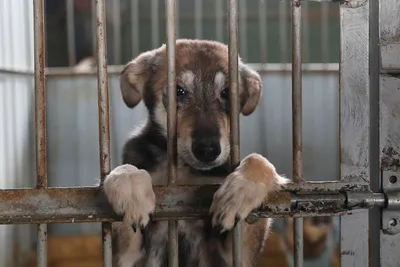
134	77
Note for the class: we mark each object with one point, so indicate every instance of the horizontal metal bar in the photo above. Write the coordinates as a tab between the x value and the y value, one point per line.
116	69
89	204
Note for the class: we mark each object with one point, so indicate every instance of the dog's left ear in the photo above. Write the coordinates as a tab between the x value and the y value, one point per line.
252	86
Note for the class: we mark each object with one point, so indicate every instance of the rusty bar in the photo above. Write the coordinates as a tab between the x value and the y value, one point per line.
234	113
155	31
283	31
42	245
40	95
117	31
171	123
103	109
107	243
173	251
297	124
219	18
198	19
243	28
262	12
325	32
71	32
94	27
102	87
40	120
135	27
89	204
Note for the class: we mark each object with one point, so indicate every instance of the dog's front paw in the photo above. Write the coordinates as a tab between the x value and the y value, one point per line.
130	193
243	191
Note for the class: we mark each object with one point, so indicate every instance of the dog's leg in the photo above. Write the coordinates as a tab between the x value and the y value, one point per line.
130	193
244	190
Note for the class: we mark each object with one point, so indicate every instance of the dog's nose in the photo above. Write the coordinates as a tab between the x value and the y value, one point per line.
206	149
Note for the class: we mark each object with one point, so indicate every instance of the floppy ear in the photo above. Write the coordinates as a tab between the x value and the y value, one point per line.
134	77
251	92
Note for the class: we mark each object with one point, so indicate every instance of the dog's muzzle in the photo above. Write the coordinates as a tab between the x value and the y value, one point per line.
206	149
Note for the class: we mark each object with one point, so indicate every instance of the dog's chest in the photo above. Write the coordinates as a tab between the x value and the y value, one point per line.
196	247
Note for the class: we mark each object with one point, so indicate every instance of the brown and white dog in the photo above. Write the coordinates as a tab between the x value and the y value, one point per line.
202	150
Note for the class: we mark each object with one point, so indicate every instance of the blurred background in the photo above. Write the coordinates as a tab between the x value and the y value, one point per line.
133	27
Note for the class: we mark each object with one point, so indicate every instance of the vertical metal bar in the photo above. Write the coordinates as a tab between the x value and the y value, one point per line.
40	120
117	31
42	245
243	28
306	33
171	123
135	27
103	109
354	121
297	123
283	31
234	113
198	18
94	27
325	32
155	32
262	13
219	24
71	32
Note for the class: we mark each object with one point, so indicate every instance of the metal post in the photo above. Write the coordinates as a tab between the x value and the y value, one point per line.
234	113
297	123
40	121
103	109
171	123
71	32
155	32
117	31
263	30
198	18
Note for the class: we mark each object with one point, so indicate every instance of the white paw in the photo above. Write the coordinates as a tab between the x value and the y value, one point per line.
130	193
234	201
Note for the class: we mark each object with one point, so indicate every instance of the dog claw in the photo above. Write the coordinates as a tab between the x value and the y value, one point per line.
134	227
150	216
142	228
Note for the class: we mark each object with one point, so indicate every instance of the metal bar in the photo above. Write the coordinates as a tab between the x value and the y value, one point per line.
297	123
135	27
103	109
234	113
219	16
199	18
354	121
42	245
171	124
94	27
117	31
263	30
283	31
243	28
155	31
40	120
71	32
325	32
89	204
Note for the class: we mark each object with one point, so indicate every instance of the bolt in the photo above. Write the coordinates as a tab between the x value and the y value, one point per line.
392	222
393	179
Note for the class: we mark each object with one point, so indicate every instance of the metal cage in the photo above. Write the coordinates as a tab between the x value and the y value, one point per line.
369	144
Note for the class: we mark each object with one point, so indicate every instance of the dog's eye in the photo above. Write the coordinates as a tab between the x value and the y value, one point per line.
225	94
180	92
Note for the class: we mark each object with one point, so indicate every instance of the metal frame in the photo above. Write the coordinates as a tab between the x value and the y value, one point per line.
351	197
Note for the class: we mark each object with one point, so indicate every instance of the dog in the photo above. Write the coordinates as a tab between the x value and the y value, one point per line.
203	150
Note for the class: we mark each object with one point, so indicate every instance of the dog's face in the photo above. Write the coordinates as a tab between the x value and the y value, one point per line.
202	96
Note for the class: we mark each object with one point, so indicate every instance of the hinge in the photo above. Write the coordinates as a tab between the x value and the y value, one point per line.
391	212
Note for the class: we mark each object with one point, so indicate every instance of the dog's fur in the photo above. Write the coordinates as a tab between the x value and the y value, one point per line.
202	117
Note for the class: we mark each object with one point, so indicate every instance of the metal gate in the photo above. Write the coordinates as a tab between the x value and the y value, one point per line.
368	187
